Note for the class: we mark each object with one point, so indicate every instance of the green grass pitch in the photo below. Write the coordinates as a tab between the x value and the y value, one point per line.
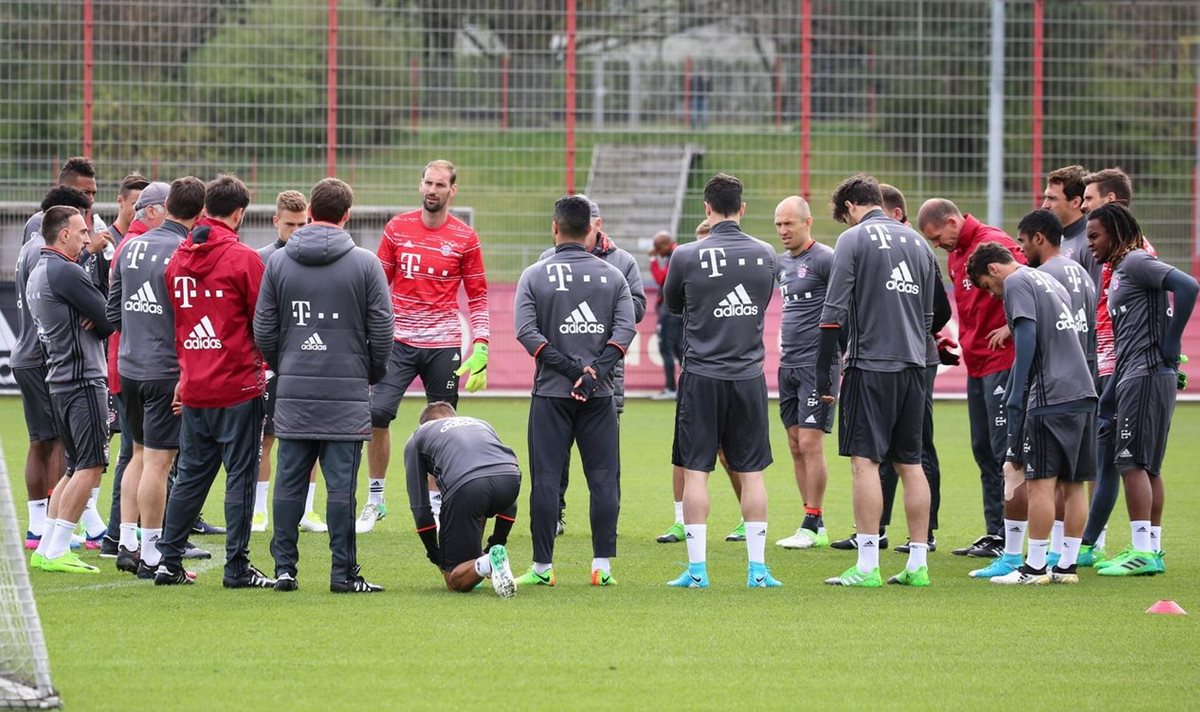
119	644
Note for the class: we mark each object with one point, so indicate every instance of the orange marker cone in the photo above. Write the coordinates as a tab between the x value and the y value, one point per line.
1169	608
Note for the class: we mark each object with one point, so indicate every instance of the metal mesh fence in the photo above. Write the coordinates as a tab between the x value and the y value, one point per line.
525	94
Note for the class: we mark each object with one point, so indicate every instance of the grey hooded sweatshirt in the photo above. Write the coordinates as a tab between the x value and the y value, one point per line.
324	325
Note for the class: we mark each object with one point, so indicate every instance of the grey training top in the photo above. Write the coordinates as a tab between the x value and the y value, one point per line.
138	306
266	252
1059	372
1074	246
1073	277
803	281
26	352
1140	313
623	261
455	451
881	291
722	286
577	303
61	296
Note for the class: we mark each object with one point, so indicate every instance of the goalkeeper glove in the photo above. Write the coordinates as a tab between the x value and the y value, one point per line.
476	365
1181	375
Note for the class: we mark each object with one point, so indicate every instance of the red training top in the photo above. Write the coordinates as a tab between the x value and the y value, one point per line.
978	312
212	284
424	268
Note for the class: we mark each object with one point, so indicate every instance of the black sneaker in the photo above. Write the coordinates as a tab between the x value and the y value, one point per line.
191	551
109	548
903	548
286	582
250	578
354	584
203	528
127	560
988	546
850	543
167	575
146	571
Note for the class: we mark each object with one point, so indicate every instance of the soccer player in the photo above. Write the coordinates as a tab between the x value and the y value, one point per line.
574	316
1139	399
988	353
212	285
324	325
128	193
803	271
722	286
149	366
291	214
68	311
44	463
881	293
79	172
1051	404
669	326
1064	197
479	479
426	254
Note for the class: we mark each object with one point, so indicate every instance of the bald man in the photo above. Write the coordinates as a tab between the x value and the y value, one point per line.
803	271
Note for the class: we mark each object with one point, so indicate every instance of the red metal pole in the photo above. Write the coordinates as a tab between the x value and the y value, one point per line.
805	96
331	88
415	80
778	92
1039	78
89	25
687	92
570	108
504	93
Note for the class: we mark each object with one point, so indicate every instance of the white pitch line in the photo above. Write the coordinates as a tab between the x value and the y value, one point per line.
205	565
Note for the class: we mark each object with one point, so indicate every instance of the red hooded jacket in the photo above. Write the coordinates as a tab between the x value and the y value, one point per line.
137	227
212	283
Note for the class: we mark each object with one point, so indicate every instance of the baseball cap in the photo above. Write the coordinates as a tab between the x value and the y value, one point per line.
153	194
595	209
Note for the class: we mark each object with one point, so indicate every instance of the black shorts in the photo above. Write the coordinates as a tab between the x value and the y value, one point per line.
81	415
1145	405
799	406
269	405
466	511
1061	445
436	369
148	413
711	413
35	398
882	414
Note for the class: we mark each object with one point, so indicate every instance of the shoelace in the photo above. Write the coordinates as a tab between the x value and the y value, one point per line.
368	512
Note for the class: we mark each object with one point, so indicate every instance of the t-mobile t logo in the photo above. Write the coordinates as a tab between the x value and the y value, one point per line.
559	273
301	311
134	254
408	262
712	259
1075	277
880	235
185	291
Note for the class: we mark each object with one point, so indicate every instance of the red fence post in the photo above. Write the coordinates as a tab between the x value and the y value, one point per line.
89	26
570	107
687	92
504	92
1039	78
331	89
805	96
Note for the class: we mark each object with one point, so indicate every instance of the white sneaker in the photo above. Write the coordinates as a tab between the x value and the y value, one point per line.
802	539
312	522
663	395
1020	577
371	514
258	523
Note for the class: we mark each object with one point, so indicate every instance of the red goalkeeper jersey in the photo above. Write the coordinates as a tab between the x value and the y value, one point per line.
424	267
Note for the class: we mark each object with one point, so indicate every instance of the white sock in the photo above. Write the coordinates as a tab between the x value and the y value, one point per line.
679	512
1070	552
483	566
1037	553
1014	536
60	537
1100	540
918	555
308	501
129	537
1155	539
601	563
540	568
37	515
1056	537
93	523
1141	534
868	552
696	536
150	553
260	496
435	503
756	542
375	490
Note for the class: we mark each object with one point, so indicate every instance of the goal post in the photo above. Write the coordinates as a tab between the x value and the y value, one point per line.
24	664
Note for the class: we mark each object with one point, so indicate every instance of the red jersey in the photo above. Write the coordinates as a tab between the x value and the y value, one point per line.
424	268
213	284
979	313
137	227
1106	345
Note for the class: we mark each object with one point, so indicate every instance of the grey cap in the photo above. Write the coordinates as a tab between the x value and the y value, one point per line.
595	209
153	194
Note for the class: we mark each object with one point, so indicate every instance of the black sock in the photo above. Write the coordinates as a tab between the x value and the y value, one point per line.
812	522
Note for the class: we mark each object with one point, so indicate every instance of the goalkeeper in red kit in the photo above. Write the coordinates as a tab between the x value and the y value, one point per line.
426	254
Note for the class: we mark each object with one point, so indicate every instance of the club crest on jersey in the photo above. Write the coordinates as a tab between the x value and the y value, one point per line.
801	271
446	250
